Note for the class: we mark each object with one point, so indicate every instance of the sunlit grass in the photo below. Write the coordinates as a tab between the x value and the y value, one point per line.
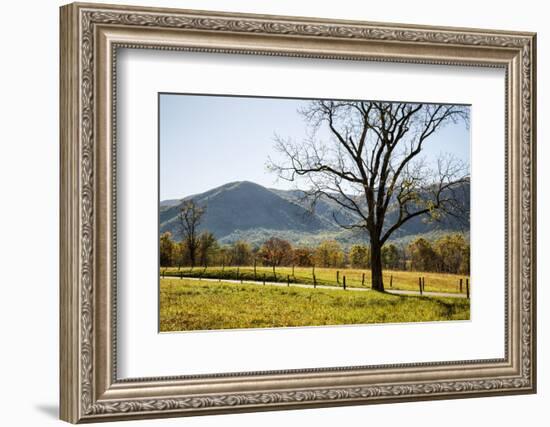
204	305
399	280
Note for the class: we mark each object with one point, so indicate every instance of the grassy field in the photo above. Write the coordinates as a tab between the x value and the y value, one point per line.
403	280
200	305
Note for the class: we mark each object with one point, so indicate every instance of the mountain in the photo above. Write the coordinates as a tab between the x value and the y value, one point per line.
244	206
247	211
332	212
325	208
169	203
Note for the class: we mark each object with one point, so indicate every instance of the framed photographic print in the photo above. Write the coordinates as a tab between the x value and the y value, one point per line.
265	212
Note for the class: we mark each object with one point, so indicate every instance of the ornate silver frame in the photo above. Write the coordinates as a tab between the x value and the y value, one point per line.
90	36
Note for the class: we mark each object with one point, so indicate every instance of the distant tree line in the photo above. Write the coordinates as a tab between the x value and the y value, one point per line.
448	254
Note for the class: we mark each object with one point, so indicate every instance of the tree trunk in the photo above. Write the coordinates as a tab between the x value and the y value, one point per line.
192	252
376	266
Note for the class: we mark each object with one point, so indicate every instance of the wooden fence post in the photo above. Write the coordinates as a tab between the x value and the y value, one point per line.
181	274
460	285
391	280
337	276
314	281
420	284
344	282
264	279
468	288
363	280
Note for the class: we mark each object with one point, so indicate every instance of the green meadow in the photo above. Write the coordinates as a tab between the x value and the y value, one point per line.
190	304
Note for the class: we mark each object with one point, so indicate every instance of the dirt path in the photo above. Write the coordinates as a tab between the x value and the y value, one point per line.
336	288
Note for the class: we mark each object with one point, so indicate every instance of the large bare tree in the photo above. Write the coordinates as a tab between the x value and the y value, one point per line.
189	219
366	157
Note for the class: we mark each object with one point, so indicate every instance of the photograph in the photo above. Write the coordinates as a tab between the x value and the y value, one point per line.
286	212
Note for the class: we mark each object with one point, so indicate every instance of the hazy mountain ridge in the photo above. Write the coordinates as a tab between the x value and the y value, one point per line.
245	210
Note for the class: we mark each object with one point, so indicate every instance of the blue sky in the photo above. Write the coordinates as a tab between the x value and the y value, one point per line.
208	141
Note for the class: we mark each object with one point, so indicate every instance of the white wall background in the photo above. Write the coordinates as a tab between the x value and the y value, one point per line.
29	170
